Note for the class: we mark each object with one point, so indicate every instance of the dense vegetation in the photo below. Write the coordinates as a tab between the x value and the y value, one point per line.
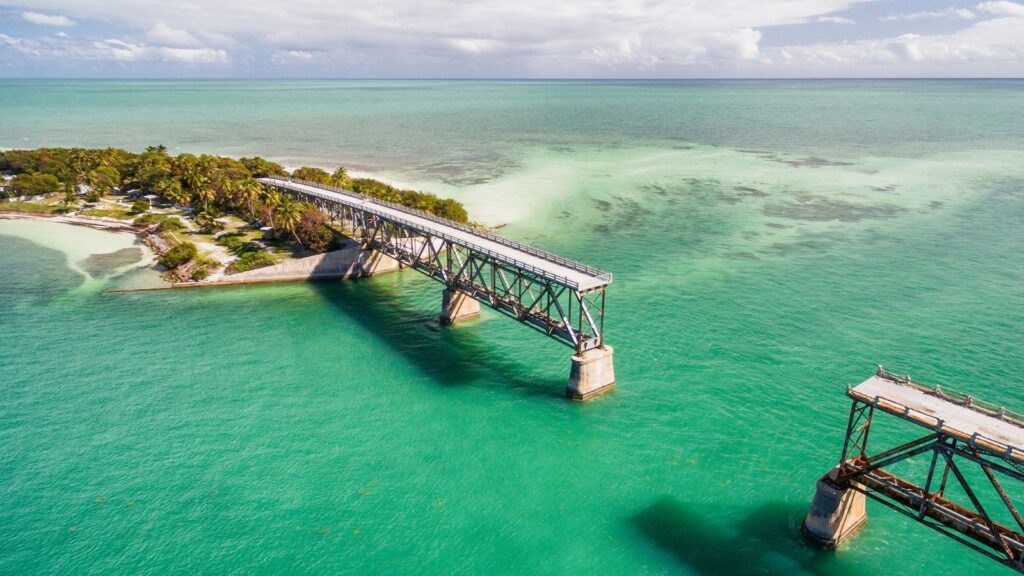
210	185
443	207
178	255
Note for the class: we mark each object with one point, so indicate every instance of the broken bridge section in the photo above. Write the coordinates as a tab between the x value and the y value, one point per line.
559	297
974	451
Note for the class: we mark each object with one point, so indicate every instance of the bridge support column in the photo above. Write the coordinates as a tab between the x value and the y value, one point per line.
592	374
835	514
457	306
371	262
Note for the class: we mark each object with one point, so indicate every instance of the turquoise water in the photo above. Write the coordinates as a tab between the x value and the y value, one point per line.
772	242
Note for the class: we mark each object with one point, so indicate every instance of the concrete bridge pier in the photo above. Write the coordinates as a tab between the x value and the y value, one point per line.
592	374
835	514
457	306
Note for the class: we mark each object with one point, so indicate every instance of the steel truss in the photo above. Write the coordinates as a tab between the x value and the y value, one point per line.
970	524
569	315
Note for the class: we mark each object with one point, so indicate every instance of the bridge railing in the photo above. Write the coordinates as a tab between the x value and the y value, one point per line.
503	257
965	400
578	266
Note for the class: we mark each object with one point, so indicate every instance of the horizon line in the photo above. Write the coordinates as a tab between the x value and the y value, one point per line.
512	79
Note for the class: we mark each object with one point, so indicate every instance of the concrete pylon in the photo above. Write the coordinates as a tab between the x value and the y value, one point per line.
835	514
457	306
592	374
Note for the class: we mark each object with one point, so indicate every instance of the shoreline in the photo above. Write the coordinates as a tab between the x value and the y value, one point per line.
94	222
292	270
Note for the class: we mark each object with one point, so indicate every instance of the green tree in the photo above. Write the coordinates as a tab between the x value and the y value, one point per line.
260	168
70	198
451	209
309	174
104	179
249	192
340	178
36	184
139	206
227	192
289	213
178	255
272	200
150	168
195	178
312	230
208	222
172	190
204	196
78	162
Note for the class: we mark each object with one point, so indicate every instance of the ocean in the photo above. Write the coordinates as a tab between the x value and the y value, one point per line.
771	241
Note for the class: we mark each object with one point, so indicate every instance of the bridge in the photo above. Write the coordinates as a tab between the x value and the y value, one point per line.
561	298
971	448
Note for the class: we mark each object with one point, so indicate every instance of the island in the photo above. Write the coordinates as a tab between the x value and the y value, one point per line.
206	217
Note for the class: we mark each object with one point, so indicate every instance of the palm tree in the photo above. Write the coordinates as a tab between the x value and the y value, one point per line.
208	222
272	201
195	179
227	193
79	162
204	195
172	190
340	178
70	198
249	192
288	216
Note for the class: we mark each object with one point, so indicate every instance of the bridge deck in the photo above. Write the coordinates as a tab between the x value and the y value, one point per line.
934	412
563	271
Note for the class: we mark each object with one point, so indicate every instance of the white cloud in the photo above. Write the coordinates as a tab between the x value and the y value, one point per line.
528	38
525	37
46	20
120	50
979	50
1002	8
947	14
741	43
292	56
217	39
164	35
473	45
192	55
835	20
109	49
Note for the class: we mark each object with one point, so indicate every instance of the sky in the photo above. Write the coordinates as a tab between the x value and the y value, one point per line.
511	38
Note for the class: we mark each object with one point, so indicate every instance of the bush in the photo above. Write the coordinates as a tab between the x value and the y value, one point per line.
200	273
232	241
36	184
139	206
318	175
180	254
313	231
104	213
425	201
208	222
251	261
34	207
165	222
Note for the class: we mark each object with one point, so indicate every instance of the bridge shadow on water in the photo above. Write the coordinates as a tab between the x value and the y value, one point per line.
767	541
448	355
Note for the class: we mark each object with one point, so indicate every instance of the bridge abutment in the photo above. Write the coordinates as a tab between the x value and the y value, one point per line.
592	374
836	513
457	306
